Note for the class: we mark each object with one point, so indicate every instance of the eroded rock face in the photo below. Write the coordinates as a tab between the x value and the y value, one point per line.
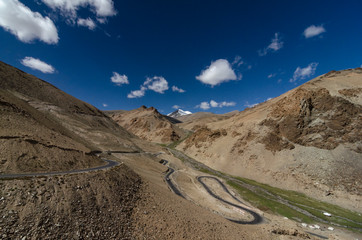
204	135
313	118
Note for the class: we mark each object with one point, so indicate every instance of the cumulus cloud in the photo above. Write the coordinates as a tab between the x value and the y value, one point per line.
119	79
176	89
313	31
214	104
25	24
105	105
69	8
88	22
275	45
37	64
156	84
303	73
218	72
137	93
176	107
204	105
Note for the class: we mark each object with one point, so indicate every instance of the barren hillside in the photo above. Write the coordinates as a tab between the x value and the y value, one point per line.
75	119
308	139
149	124
195	120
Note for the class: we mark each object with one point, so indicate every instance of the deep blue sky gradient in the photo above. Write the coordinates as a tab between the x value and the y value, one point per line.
178	39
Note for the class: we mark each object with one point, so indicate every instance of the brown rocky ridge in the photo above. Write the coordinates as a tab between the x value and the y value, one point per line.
149	124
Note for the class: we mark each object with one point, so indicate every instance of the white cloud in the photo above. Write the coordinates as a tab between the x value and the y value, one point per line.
25	24
119	79
275	45
214	104
137	93
227	104
37	64
89	23
204	105
157	84
105	105
218	72
176	89
69	8
221	104
303	73
313	31
176	107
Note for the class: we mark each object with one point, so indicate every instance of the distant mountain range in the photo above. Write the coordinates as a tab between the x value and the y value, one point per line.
179	113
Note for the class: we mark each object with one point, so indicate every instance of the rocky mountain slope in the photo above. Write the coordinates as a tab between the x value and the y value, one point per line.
149	124
193	121
43	129
308	139
27	96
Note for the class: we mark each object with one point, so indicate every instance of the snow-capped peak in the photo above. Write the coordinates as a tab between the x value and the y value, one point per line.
179	113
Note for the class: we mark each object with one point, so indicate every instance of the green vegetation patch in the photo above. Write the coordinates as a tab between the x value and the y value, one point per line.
268	205
313	206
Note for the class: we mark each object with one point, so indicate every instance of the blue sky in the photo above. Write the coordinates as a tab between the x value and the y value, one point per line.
224	55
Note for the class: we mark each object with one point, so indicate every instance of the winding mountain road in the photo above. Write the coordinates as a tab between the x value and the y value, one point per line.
169	182
257	218
110	164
